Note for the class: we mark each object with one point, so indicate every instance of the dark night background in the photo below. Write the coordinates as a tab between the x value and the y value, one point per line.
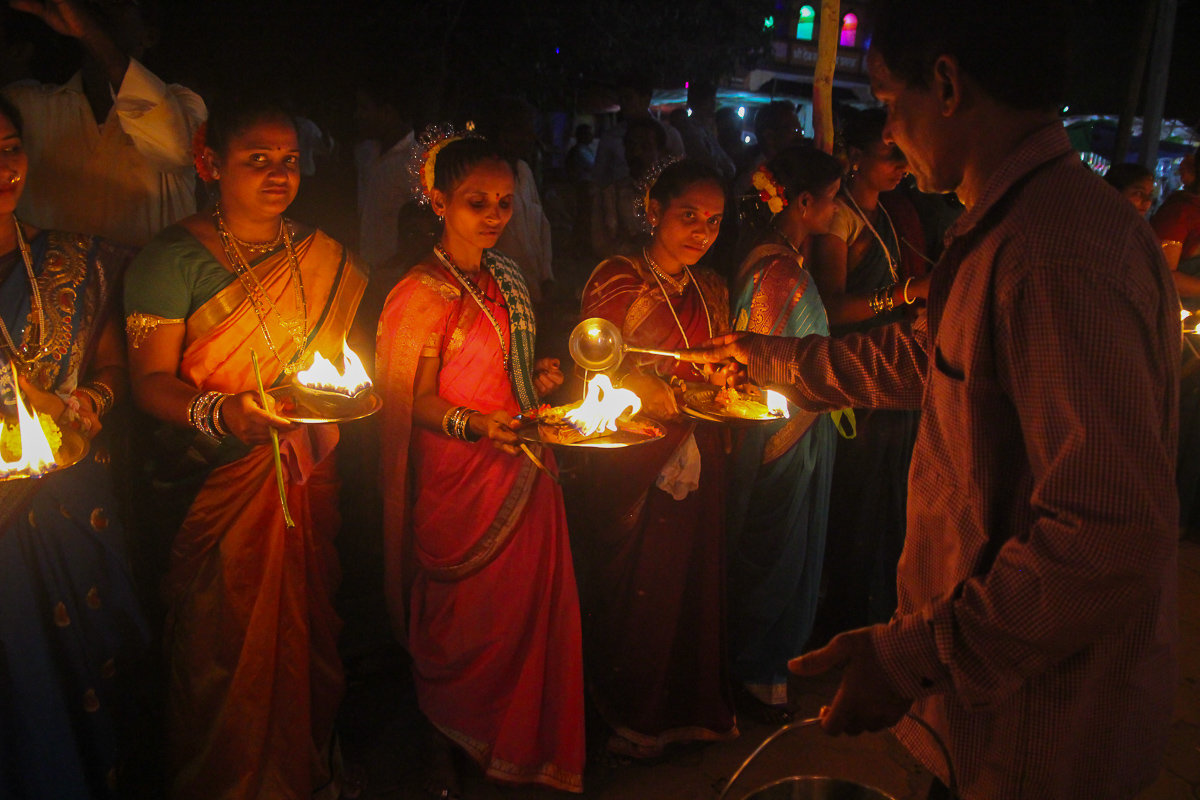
553	53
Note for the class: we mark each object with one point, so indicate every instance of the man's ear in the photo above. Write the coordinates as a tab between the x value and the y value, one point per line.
948	84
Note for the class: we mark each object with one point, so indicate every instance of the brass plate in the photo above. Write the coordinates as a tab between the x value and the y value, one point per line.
319	407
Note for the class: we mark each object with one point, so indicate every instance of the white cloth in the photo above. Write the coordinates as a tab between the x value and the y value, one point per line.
313	143
680	476
526	238
126	179
384	186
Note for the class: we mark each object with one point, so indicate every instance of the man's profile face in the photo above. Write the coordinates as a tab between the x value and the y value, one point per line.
916	125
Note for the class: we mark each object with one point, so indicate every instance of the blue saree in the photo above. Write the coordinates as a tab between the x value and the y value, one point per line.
779	505
70	628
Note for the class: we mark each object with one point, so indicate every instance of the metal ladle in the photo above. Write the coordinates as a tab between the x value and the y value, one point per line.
596	345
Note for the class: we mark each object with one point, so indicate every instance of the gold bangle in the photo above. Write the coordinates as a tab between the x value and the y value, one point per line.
106	395
93	395
904	293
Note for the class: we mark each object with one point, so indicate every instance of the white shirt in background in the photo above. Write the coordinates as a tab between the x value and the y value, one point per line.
384	186
125	179
526	238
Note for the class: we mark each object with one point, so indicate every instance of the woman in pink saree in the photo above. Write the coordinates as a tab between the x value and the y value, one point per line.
478	570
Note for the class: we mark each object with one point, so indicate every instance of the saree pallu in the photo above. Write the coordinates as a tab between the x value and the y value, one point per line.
654	591
71	631
779	496
251	634
869	496
480	582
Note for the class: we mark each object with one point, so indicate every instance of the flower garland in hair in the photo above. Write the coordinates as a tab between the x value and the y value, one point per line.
424	158
641	205
199	143
770	191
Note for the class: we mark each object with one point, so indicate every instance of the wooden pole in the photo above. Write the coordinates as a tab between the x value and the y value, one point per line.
1156	88
827	46
1137	77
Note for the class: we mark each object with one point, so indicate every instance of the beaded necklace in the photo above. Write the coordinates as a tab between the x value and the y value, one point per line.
29	351
258	248
297	327
658	274
676	284
472	289
895	237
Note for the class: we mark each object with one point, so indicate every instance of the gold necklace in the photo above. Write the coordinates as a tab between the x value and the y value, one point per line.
657	273
676	284
29	351
297	327
473	289
256	248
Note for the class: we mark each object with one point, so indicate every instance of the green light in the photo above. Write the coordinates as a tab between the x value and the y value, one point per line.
806	12
768	23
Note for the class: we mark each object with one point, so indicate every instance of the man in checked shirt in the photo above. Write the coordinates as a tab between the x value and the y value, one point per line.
1037	628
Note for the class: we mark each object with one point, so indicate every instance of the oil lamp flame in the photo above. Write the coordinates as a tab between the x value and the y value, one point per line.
36	454
325	376
601	406
776	403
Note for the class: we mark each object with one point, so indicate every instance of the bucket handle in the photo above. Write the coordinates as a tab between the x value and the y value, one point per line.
815	720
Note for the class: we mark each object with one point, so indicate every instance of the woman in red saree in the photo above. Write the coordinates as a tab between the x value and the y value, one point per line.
478	569
251	635
653	594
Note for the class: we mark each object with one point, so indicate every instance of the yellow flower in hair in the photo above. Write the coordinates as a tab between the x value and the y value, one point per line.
776	204
427	167
759	180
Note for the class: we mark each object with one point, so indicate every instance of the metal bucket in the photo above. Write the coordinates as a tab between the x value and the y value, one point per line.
811	787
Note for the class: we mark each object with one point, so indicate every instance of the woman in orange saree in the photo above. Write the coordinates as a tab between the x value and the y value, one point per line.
479	578
654	589
251	636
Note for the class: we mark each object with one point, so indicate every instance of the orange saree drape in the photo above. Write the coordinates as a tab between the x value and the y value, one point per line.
251	636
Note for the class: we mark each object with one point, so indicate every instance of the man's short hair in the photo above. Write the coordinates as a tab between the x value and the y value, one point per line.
1016	50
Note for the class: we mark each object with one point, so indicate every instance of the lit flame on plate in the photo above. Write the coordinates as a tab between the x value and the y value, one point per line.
324	375
601	406
36	455
776	403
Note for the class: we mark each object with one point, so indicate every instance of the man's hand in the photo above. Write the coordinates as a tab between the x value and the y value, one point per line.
734	346
865	700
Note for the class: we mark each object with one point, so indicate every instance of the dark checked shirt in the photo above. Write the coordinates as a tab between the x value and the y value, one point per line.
1037	624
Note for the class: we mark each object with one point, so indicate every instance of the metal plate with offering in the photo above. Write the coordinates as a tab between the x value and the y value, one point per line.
33	447
606	418
307	405
323	393
746	404
630	431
